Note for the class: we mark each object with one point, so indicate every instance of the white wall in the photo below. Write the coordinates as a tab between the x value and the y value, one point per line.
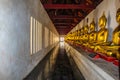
15	58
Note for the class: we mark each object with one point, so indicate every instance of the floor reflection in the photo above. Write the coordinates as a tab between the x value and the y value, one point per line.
49	66
56	66
62	44
44	69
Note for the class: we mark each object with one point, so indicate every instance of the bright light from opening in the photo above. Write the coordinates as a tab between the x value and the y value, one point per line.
61	39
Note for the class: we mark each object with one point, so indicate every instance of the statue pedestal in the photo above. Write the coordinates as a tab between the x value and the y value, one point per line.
107	58
116	62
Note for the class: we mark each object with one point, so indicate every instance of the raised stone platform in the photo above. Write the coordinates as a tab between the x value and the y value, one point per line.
92	69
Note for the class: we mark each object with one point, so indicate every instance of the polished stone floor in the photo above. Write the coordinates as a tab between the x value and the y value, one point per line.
56	67
63	69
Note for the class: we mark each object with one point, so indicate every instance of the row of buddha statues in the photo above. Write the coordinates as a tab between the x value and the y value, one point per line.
98	40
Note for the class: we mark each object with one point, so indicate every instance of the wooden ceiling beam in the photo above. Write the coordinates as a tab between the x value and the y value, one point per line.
65	17
65	23
63	29
68	6
62	23
50	1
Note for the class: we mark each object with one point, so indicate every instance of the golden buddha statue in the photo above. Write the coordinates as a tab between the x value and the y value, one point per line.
92	34
116	33
114	47
74	35
71	38
85	37
102	34
79	32
77	35
80	36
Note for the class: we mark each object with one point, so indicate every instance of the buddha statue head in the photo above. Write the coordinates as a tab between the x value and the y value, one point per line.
118	16
102	21
92	26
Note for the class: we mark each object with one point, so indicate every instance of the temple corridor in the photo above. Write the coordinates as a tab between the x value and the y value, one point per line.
59	39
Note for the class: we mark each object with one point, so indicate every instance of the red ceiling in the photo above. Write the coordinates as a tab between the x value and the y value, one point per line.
66	14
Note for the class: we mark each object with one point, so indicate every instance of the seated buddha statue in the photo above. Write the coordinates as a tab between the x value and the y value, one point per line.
74	35
92	35
71	36
78	36
114	48
116	32
102	34
85	36
81	33
81	36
